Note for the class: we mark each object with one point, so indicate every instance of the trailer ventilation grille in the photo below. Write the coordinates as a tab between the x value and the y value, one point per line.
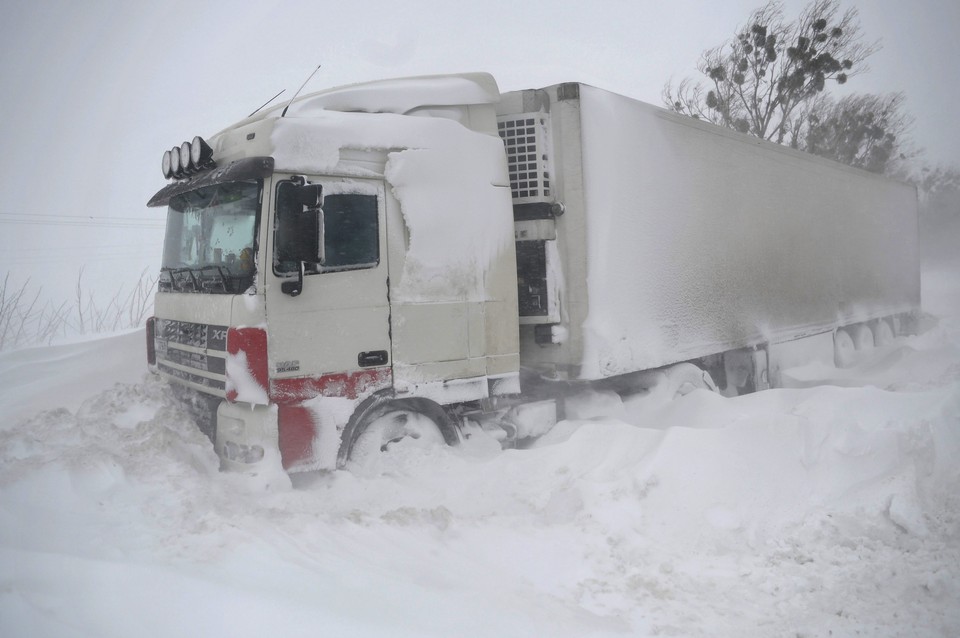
526	140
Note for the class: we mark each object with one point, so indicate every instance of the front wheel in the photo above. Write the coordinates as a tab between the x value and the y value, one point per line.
684	378
393	429
382	426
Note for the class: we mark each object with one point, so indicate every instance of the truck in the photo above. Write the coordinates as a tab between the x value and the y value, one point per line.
427	259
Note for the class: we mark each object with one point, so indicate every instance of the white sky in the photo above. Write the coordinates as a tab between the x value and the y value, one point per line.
95	91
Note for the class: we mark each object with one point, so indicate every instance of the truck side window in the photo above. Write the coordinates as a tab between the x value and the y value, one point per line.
352	231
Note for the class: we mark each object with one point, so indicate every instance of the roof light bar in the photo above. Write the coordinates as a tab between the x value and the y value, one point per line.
201	155
166	166
175	162
185	164
187	159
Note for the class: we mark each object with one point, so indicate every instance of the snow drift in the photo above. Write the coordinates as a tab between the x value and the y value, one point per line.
828	508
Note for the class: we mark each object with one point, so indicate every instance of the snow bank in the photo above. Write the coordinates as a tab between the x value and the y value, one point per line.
815	511
65	375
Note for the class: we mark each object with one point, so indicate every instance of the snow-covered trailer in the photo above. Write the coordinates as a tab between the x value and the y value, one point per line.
646	238
377	262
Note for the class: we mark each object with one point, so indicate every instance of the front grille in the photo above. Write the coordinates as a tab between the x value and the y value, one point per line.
194	379
196	360
197	335
193	354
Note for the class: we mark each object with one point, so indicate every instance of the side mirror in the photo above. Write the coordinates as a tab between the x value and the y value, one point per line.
310	196
300	230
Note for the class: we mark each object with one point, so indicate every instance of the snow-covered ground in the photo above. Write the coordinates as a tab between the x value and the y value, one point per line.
823	510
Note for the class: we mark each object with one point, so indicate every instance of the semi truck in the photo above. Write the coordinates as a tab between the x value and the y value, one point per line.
427	258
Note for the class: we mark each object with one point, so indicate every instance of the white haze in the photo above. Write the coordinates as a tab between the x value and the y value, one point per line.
94	92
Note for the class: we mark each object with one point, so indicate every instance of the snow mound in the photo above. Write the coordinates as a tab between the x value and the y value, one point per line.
829	509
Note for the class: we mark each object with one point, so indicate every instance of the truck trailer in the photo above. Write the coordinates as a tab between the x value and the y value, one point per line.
429	258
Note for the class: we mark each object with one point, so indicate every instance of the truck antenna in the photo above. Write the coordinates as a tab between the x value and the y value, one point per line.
267	102
300	89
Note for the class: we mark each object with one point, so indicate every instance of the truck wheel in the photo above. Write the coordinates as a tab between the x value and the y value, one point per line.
844	350
380	425
883	333
684	378
862	337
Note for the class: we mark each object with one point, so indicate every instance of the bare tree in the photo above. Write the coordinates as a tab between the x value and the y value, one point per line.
758	81
23	321
11	311
939	191
122	310
139	302
863	130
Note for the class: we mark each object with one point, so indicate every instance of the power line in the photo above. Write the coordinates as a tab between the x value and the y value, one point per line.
35	214
91	224
61	261
76	220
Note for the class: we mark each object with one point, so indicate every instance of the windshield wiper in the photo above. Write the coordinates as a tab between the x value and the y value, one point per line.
177	281
207	283
212	278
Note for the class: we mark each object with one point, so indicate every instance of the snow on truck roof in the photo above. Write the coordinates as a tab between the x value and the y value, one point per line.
453	155
312	133
398	95
403	95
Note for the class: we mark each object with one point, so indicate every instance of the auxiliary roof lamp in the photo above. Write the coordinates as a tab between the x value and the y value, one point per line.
187	159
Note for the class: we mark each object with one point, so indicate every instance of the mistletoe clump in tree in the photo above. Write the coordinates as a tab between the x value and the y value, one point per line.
760	81
863	130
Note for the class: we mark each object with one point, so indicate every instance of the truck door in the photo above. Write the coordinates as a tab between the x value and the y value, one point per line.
333	338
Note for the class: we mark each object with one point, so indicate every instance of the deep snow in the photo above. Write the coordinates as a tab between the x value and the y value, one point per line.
829	508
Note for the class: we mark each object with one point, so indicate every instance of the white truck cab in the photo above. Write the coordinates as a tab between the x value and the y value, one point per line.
348	250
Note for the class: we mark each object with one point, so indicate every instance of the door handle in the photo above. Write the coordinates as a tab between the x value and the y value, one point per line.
373	358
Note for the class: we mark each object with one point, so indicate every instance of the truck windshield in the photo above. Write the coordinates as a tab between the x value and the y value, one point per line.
211	238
